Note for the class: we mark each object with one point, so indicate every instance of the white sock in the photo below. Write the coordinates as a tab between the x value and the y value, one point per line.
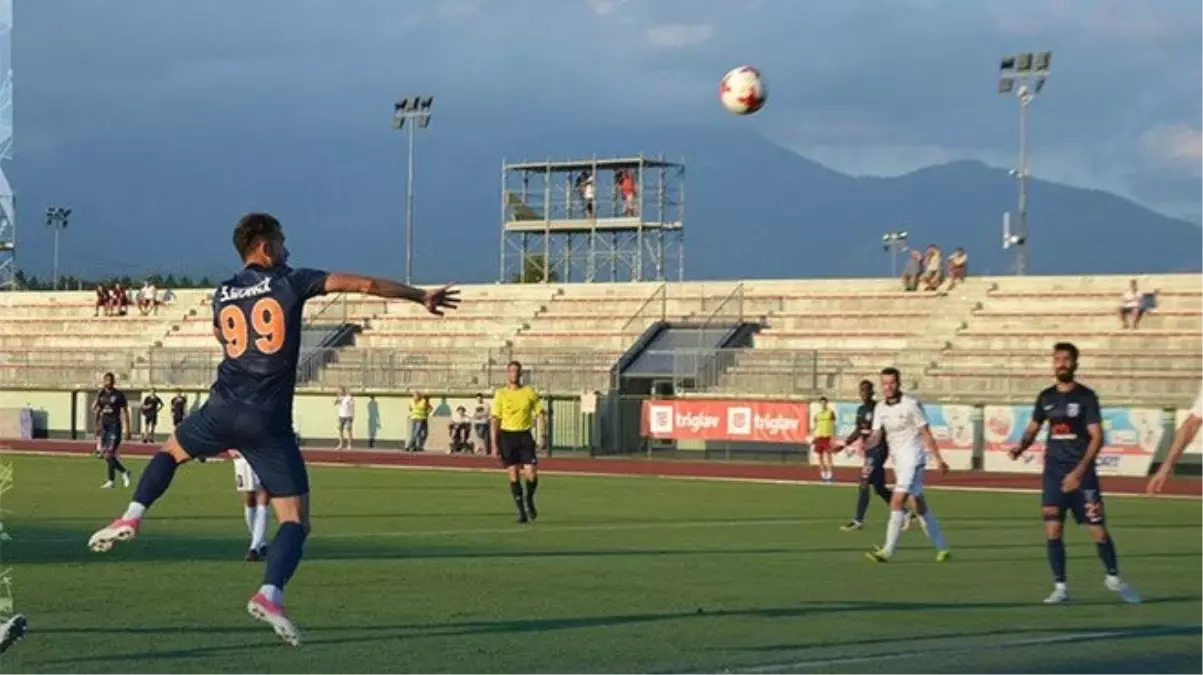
893	531
272	593
934	531
134	511
249	512
259	531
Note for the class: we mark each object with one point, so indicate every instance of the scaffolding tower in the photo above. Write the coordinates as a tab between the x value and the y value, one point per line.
8	210
618	219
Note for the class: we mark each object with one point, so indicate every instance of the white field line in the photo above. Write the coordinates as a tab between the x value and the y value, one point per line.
674	477
898	655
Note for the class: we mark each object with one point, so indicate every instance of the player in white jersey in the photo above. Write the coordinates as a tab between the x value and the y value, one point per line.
1182	439
899	420
255	501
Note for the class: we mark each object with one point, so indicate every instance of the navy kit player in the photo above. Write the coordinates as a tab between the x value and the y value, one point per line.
873	472
112	410
257	320
1071	483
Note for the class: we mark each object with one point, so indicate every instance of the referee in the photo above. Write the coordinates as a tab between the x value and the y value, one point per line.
515	408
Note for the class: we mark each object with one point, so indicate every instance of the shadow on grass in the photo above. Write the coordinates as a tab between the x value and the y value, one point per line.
374	635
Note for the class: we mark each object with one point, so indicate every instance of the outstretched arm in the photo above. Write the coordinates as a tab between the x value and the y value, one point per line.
436	300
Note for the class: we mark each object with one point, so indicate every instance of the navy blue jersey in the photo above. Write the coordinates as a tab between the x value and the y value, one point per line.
151	405
864	425
109	404
1068	414
258	318
177	407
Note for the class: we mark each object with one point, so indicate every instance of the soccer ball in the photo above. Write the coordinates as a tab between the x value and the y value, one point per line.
742	91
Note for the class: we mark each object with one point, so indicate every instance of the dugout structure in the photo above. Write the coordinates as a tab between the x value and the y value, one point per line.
628	226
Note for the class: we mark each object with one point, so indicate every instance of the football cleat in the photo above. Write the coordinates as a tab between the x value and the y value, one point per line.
943	556
1126	592
252	555
125	478
851	526
122	529
1059	596
531	511
12	631
262	609
878	555
107	485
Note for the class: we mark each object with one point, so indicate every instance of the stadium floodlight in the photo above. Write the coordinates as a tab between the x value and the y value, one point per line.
418	111
1023	76
894	243
58	218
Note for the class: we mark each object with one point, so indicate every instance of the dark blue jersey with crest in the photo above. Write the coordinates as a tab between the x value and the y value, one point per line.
258	315
864	426
109	404
1068	415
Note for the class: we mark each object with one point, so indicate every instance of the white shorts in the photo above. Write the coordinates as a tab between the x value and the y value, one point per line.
245	479
908	474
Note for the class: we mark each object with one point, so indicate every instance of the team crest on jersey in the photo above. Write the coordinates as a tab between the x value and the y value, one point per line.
1072	409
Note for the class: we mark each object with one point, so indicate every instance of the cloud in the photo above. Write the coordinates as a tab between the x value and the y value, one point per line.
1176	144
605	7
679	35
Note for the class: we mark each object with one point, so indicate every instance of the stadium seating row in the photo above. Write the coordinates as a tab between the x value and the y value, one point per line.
986	340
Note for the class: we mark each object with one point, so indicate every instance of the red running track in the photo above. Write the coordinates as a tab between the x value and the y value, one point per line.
644	467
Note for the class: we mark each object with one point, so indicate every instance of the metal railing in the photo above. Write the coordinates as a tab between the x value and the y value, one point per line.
655	308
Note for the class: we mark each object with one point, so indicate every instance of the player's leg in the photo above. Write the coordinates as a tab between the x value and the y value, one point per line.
510	451
929	522
200	435
281	470
1052	507
530	471
262	514
1087	506
349	424
908	477
12	630
872	476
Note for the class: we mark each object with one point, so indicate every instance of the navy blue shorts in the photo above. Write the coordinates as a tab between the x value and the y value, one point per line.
266	441
110	438
1086	502
873	471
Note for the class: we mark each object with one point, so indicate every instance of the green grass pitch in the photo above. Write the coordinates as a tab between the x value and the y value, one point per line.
424	571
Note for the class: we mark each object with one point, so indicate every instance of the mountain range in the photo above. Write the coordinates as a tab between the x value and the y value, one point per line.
754	209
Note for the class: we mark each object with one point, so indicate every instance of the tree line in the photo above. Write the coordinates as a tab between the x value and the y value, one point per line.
73	283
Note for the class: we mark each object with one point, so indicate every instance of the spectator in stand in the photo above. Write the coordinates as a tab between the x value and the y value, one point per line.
958	267
1132	306
587	190
118	299
102	300
627	185
933	268
419	422
480	424
148	300
912	271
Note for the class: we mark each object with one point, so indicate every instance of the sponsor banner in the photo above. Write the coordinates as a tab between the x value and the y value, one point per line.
1196	446
718	420
1131	437
952	425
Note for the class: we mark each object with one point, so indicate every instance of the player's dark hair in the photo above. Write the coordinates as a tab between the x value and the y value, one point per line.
511	364
822	399
1067	347
891	371
251	228
865	383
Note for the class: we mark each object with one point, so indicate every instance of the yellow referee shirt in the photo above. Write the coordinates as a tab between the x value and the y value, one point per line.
825	423
515	409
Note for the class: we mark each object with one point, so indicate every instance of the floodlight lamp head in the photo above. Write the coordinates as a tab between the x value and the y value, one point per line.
1006	85
425	104
1007	63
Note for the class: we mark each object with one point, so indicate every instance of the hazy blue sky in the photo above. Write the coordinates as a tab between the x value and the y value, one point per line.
122	106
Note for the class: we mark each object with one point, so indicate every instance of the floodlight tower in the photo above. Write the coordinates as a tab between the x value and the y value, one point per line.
8	211
57	217
894	243
417	111
1023	75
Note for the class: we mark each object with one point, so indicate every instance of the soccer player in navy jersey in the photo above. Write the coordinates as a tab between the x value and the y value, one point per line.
1071	483
257	320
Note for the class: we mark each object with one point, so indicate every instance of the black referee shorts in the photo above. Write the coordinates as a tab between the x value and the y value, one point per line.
517	448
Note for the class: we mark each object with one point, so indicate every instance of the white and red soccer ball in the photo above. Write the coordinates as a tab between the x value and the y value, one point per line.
742	91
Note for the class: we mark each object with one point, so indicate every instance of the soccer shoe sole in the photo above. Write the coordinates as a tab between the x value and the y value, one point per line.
14	632
280	624
944	556
874	556
851	527
103	540
1062	600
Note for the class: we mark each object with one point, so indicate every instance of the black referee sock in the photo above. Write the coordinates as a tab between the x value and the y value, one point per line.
516	491
531	486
